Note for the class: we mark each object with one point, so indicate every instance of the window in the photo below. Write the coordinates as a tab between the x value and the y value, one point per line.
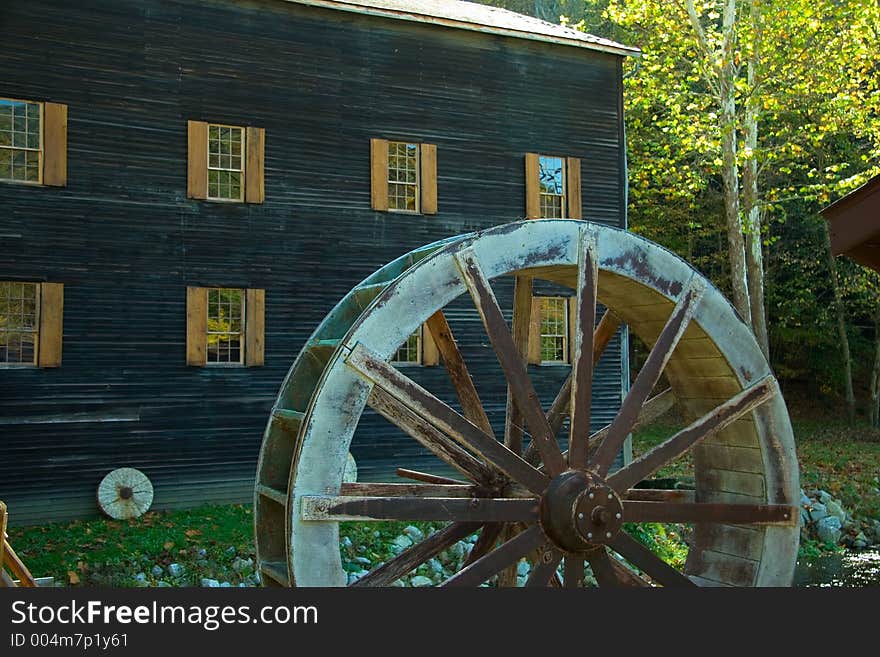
418	349
553	187
33	142
31	323
225	162
550	330
554	330
225	326
403	176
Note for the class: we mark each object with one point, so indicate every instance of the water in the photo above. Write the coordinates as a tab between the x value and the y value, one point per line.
857	569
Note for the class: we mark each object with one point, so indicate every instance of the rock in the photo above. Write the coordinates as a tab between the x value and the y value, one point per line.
362	560
402	541
376	534
828	529
834	509
255	578
421	580
472	539
398	583
824	496
521	580
523	569
140	577
458	549
361	548
202	553
860	545
818	511
230	550
435	566
242	585
225	585
355	576
414	533
163	584
175	569
805	501
242	565
157	571
209	583
346	542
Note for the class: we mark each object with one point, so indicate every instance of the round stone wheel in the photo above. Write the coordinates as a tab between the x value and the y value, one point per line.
125	493
568	513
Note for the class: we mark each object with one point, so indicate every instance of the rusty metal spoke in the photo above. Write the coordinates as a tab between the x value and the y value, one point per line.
574	571
603	570
495	561
484	509
443	417
710	424
606	329
485	541
545	568
471	406
647	378
648	562
582	363
637	511
427	435
512	364
414	556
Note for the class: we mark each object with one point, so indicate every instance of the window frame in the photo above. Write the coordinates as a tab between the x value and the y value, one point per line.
40	151
566	338
563	207
241	334
420	343
418	182
243	181
35	332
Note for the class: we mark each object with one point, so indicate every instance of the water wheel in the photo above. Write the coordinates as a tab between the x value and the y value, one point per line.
563	511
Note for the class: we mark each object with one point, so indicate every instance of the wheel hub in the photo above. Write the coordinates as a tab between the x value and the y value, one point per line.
580	511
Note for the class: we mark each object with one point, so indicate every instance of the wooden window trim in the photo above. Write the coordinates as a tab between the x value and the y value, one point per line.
49	326
534	351
572	201
253	163
52	150
253	332
426	177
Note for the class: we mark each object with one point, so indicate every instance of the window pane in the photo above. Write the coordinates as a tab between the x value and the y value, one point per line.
18	321
554	329
403	176
225	326
225	162
409	351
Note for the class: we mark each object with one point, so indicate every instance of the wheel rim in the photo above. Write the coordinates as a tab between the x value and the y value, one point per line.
746	472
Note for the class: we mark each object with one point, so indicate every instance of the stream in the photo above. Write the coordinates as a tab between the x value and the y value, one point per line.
855	569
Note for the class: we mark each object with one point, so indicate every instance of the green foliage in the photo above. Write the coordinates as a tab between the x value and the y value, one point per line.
663	540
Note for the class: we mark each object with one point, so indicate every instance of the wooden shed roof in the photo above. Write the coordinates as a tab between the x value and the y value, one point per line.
475	17
854	224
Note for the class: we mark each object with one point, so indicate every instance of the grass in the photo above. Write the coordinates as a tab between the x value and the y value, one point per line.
213	541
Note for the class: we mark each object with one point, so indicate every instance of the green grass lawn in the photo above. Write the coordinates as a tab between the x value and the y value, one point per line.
217	541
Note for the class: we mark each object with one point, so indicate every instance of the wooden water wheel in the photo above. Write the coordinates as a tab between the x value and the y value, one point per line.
560	510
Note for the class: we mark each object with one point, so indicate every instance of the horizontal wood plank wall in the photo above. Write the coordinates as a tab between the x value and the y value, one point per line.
126	241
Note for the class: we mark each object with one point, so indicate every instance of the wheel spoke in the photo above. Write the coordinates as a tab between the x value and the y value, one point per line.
485	541
608	326
511	362
746	514
574	571
471	405
647	378
582	363
493	562
484	509
545	568
645	560
708	425
427	435
371	489
443	417
414	556
522	311
603	570
428	478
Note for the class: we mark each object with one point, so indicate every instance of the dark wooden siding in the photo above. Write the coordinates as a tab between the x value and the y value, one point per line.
125	240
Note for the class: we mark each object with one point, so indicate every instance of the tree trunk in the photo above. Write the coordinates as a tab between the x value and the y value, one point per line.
841	328
751	211
730	168
874	410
